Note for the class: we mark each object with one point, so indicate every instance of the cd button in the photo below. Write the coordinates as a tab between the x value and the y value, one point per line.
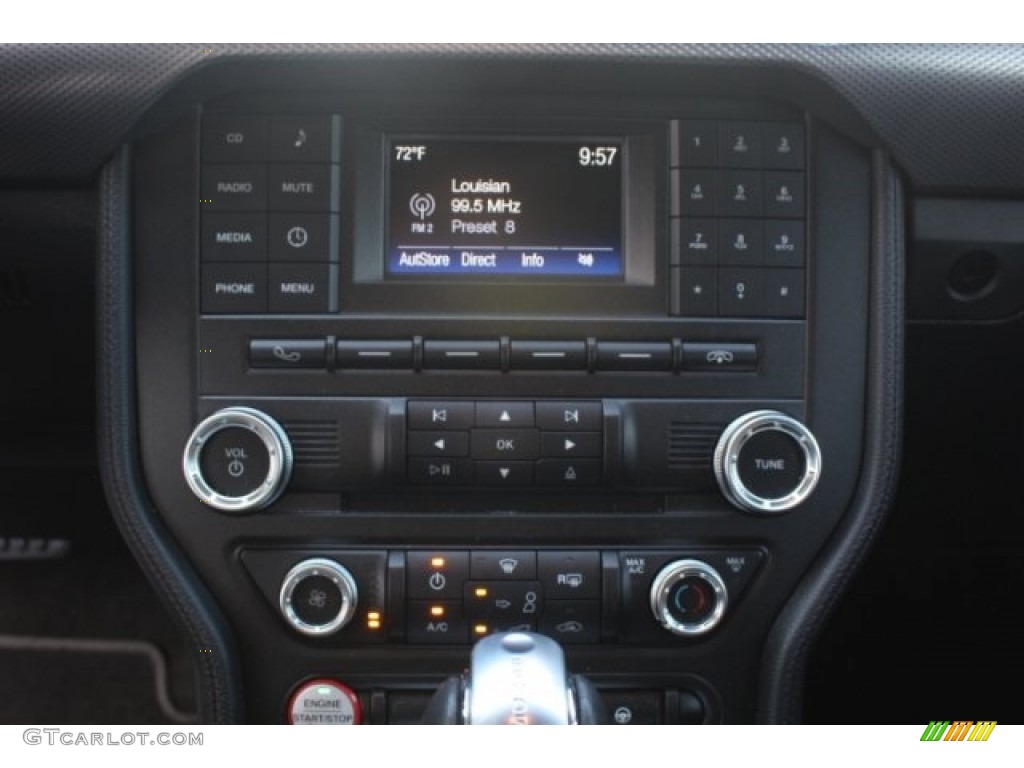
231	138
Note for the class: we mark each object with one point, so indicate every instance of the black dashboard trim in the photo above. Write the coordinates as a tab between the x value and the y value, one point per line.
219	691
784	661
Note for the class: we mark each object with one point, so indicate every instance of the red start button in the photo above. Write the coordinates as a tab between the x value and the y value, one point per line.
324	702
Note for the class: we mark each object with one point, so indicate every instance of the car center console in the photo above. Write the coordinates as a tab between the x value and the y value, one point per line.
418	365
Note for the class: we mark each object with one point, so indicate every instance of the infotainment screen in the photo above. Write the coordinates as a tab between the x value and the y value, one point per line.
529	208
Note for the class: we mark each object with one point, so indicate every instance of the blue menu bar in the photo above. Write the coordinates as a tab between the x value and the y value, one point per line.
441	260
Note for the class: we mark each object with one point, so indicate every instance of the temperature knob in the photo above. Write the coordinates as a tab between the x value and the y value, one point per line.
237	460
688	598
767	462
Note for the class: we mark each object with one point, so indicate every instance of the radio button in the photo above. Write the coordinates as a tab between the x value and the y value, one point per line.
504	444
301	188
232	138
288	353
302	288
715	358
429	414
503	565
568	473
234	237
300	236
548	355
634	356
504	415
570	416
569	445
457	355
570	575
300	139
440	471
234	188
234	288
438	444
376	355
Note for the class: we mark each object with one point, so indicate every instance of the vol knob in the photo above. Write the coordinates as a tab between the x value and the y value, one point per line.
238	460
767	462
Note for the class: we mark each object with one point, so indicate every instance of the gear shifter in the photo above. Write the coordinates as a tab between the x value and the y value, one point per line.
516	678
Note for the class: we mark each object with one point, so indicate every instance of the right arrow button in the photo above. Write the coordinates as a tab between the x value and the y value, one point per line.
571	444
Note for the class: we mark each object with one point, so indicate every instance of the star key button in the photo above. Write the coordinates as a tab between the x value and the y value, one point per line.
698	292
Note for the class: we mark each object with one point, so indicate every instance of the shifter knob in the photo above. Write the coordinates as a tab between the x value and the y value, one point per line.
516	678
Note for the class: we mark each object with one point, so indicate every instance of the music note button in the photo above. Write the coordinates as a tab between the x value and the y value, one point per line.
300	139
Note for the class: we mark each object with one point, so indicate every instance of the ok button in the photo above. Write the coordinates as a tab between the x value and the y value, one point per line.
523	444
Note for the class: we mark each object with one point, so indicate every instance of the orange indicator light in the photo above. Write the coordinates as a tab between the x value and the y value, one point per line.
437	610
480	591
437	562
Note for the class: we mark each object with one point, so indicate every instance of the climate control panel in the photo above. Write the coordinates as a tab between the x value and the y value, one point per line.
450	596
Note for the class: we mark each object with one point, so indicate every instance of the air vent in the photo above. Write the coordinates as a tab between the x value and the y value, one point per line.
14	290
691	446
314	443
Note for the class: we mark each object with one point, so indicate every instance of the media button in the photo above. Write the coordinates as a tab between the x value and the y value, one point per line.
233	237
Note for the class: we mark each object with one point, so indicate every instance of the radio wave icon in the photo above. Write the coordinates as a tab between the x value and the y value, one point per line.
422	205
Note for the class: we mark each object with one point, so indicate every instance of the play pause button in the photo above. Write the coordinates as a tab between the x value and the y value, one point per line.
571	444
504	472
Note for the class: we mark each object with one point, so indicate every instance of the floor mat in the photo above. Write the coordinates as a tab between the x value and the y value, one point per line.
88	681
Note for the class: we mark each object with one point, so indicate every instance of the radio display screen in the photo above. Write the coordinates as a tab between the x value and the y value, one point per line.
509	208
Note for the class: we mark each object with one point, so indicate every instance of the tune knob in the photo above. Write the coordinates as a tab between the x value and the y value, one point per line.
688	597
318	597
237	460
767	462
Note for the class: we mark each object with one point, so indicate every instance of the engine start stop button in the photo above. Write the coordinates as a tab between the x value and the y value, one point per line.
324	702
